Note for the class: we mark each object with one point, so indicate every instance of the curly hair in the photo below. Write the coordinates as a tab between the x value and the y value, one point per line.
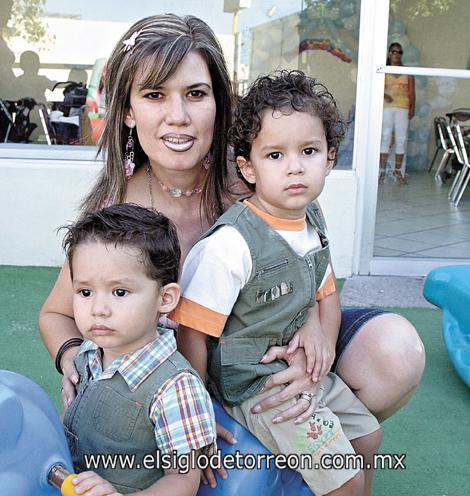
127	224
285	91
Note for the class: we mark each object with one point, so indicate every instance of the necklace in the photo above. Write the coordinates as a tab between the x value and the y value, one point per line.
173	192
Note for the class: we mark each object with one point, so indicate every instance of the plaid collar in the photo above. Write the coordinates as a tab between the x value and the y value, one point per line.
134	367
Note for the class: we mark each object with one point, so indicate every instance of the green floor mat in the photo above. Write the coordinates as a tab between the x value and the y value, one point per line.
433	430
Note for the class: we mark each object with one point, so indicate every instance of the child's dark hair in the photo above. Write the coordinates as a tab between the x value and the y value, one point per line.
284	91
126	224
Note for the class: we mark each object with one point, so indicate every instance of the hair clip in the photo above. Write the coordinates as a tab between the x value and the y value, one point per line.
130	42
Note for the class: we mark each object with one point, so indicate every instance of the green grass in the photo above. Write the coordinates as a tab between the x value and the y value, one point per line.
22	293
433	430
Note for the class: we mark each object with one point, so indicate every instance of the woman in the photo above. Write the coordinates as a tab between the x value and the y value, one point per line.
168	103
399	109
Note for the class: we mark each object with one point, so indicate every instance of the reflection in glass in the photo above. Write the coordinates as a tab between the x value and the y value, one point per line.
433	34
417	219
322	40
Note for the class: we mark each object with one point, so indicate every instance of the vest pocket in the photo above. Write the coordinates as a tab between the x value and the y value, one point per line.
240	370
234	351
275	266
115	415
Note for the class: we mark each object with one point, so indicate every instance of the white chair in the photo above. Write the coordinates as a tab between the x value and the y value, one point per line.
445	138
463	175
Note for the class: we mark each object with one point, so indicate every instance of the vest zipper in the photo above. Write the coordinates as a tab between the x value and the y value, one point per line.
311	270
270	268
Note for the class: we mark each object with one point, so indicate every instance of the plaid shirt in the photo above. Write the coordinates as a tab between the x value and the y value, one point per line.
181	410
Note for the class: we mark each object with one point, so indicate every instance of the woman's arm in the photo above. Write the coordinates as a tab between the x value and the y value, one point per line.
57	325
56	322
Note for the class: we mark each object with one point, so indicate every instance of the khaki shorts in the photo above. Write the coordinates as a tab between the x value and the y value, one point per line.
325	433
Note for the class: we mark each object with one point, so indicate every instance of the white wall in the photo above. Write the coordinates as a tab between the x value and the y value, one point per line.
38	196
338	202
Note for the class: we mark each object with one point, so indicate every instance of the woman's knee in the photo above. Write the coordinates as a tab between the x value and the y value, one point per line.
384	363
399	349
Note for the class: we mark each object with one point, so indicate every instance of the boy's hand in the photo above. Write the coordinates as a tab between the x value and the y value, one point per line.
318	351
207	475
91	484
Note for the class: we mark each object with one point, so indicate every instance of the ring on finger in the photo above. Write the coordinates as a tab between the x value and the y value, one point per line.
305	395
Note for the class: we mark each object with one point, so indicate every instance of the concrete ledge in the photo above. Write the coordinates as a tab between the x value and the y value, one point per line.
378	291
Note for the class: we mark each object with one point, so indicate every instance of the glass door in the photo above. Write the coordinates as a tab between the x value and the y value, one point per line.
407	223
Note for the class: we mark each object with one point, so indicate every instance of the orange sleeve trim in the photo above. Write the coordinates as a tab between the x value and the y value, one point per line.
191	314
328	288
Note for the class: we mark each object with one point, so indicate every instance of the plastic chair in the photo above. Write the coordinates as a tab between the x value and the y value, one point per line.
439	141
442	128
463	175
449	289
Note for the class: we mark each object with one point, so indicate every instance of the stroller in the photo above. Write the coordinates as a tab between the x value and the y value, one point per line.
65	116
15	125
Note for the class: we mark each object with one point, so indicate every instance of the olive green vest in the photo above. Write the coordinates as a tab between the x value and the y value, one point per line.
107	417
269	309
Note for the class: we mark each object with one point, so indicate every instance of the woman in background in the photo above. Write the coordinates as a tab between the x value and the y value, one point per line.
399	108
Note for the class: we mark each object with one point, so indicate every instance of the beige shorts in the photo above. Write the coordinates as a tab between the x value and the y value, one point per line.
323	435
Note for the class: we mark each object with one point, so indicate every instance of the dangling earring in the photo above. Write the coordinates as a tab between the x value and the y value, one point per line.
207	162
129	164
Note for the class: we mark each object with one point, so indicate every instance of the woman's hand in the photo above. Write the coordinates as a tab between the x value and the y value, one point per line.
70	378
207	475
298	381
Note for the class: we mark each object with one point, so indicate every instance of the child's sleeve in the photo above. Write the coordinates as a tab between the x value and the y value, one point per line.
183	416
328	284
215	271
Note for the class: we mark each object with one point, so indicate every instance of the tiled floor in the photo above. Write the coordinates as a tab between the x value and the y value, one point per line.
416	220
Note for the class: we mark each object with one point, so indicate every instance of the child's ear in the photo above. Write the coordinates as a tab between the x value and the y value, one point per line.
331	160
247	169
169	297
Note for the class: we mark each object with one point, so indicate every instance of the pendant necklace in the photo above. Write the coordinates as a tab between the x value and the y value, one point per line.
173	192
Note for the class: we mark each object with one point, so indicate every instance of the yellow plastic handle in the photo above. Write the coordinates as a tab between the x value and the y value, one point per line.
68	489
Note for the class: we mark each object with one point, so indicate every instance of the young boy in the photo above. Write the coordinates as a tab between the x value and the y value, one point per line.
253	279
137	395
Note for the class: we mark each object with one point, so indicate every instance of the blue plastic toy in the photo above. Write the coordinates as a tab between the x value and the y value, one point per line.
33	445
32	441
449	289
265	482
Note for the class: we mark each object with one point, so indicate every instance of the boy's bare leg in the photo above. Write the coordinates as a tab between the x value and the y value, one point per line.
354	487
367	446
